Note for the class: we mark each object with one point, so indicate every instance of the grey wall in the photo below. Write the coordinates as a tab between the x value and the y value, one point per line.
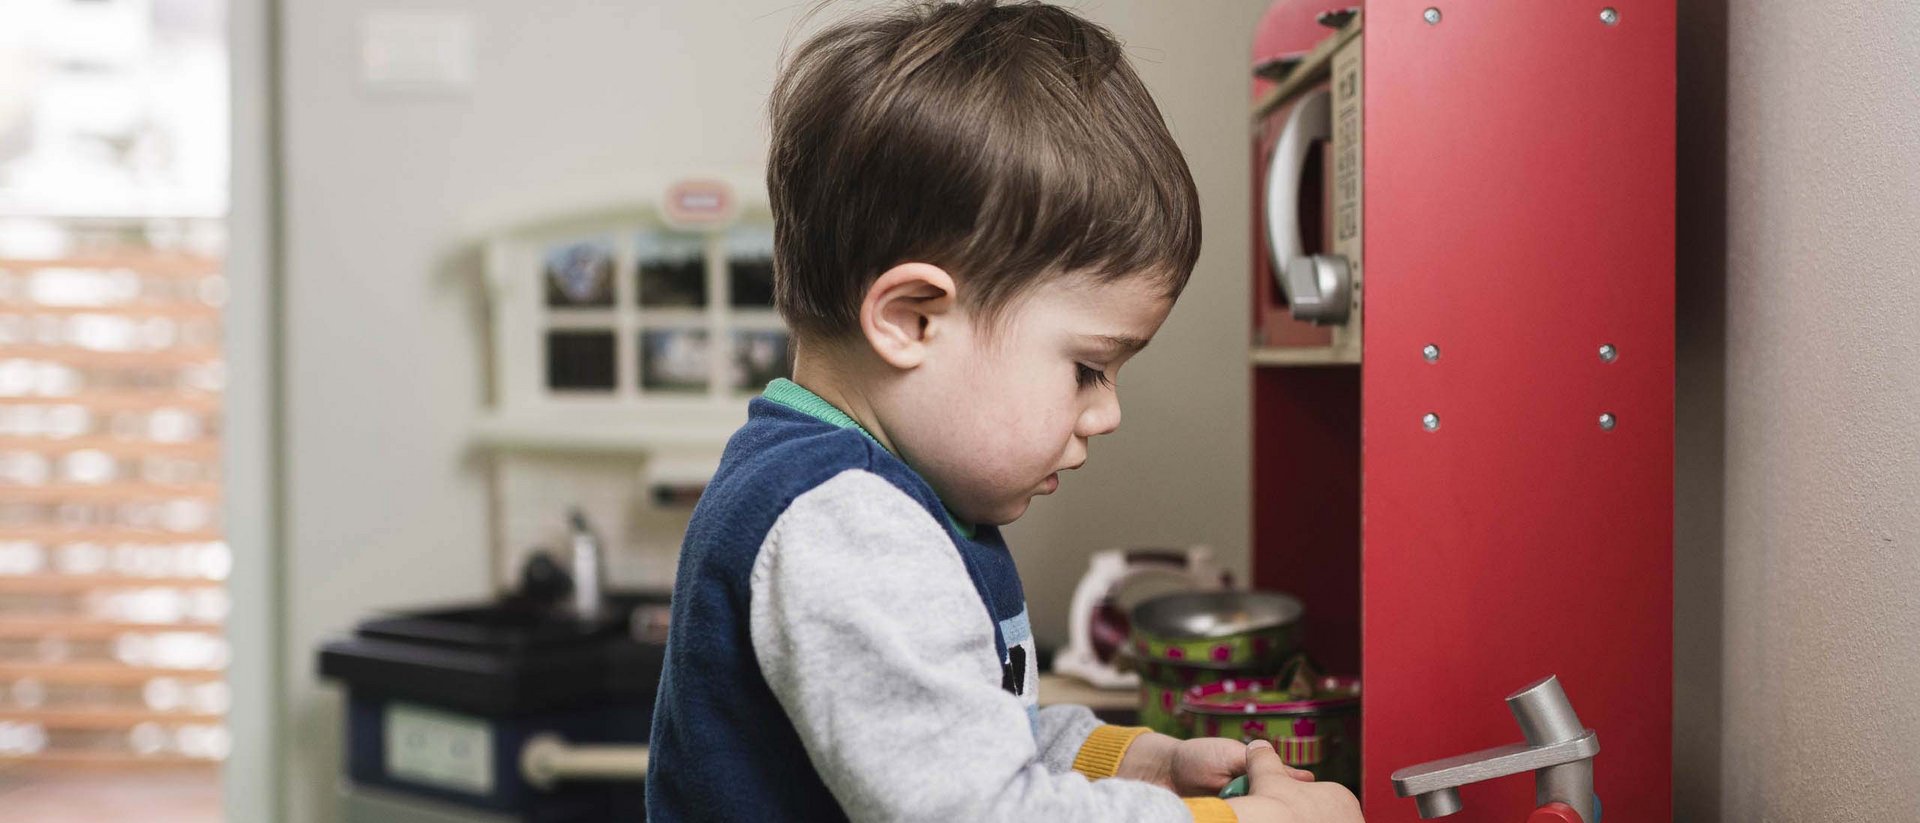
573	103
583	103
1797	559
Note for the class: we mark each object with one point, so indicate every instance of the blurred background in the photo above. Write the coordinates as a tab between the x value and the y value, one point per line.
381	154
114	166
282	284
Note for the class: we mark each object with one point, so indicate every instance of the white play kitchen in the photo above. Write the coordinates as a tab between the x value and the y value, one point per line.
625	344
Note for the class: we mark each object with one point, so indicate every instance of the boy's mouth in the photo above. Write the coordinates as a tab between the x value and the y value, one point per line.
1049	485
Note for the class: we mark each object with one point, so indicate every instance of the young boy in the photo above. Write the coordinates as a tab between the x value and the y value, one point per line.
979	217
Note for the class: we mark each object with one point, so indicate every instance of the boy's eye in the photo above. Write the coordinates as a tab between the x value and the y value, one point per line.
1088	376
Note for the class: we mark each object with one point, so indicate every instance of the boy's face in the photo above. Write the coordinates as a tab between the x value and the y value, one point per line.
998	413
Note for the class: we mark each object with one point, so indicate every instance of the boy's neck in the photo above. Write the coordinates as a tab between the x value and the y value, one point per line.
828	380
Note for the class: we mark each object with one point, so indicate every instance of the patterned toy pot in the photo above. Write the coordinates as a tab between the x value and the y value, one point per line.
1190	639
1160	697
1320	733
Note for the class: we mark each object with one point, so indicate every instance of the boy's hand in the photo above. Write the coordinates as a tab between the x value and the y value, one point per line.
1275	796
1190	768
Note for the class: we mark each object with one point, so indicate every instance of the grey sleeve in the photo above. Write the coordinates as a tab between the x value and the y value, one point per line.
872	638
1062	731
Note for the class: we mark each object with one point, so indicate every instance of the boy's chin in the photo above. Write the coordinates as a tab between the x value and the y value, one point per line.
1005	513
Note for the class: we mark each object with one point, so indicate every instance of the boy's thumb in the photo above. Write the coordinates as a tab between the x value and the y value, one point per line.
1264	767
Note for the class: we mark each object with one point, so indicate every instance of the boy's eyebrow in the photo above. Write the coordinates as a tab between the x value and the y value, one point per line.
1119	343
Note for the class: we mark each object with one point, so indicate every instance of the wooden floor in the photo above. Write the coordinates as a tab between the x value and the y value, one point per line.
29	795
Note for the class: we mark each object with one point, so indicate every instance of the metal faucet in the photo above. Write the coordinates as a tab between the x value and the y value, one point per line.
589	570
1559	751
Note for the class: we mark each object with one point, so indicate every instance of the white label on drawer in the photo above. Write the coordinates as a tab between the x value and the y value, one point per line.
440	749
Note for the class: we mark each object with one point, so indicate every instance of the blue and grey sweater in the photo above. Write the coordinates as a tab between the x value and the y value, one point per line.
840	648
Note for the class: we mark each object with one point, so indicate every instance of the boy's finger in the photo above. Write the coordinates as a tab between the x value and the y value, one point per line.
1264	767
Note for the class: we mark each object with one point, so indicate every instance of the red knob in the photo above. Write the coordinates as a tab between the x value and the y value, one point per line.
1555	813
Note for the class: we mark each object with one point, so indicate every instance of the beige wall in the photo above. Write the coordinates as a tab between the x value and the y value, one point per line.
1798	523
580	102
1177	471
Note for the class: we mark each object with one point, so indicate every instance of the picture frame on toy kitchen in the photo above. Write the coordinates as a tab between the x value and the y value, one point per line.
624	344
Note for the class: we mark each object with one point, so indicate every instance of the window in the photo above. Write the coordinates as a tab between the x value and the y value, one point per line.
113	562
694	315
629	331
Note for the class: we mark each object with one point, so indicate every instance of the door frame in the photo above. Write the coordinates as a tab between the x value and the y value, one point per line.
252	463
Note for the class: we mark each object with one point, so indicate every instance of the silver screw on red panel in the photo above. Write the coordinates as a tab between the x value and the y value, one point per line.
1609	16
1432	16
1607	422
1430	421
1431	352
1608	353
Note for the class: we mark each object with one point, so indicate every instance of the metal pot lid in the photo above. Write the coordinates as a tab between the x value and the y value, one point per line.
1203	615
1267	695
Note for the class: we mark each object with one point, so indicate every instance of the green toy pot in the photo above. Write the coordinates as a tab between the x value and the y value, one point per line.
1179	641
1320	734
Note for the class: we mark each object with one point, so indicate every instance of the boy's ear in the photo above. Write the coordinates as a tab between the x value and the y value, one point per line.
905	308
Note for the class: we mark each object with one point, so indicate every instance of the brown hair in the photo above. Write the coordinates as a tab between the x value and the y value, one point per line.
1004	143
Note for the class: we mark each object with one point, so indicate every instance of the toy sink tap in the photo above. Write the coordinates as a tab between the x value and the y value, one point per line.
1558	750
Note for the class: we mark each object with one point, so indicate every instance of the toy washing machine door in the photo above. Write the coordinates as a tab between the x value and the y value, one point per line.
1306	189
1318	287
1291	193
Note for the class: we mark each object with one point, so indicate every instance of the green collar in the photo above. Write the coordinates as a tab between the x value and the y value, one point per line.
797	397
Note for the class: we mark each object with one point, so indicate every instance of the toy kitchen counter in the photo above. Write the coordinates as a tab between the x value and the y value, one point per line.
470	713
1119	706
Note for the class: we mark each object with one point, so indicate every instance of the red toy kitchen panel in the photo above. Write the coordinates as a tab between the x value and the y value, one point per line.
1517	478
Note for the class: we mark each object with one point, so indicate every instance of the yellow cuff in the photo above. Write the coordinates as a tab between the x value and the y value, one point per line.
1100	756
1210	810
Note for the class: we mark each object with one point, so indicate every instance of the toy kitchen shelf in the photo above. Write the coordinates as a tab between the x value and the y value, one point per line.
699	429
1475	491
1296	356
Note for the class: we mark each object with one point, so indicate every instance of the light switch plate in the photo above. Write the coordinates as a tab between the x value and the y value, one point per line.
417	51
440	749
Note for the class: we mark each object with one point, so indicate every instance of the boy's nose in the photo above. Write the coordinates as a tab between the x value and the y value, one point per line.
1103	417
